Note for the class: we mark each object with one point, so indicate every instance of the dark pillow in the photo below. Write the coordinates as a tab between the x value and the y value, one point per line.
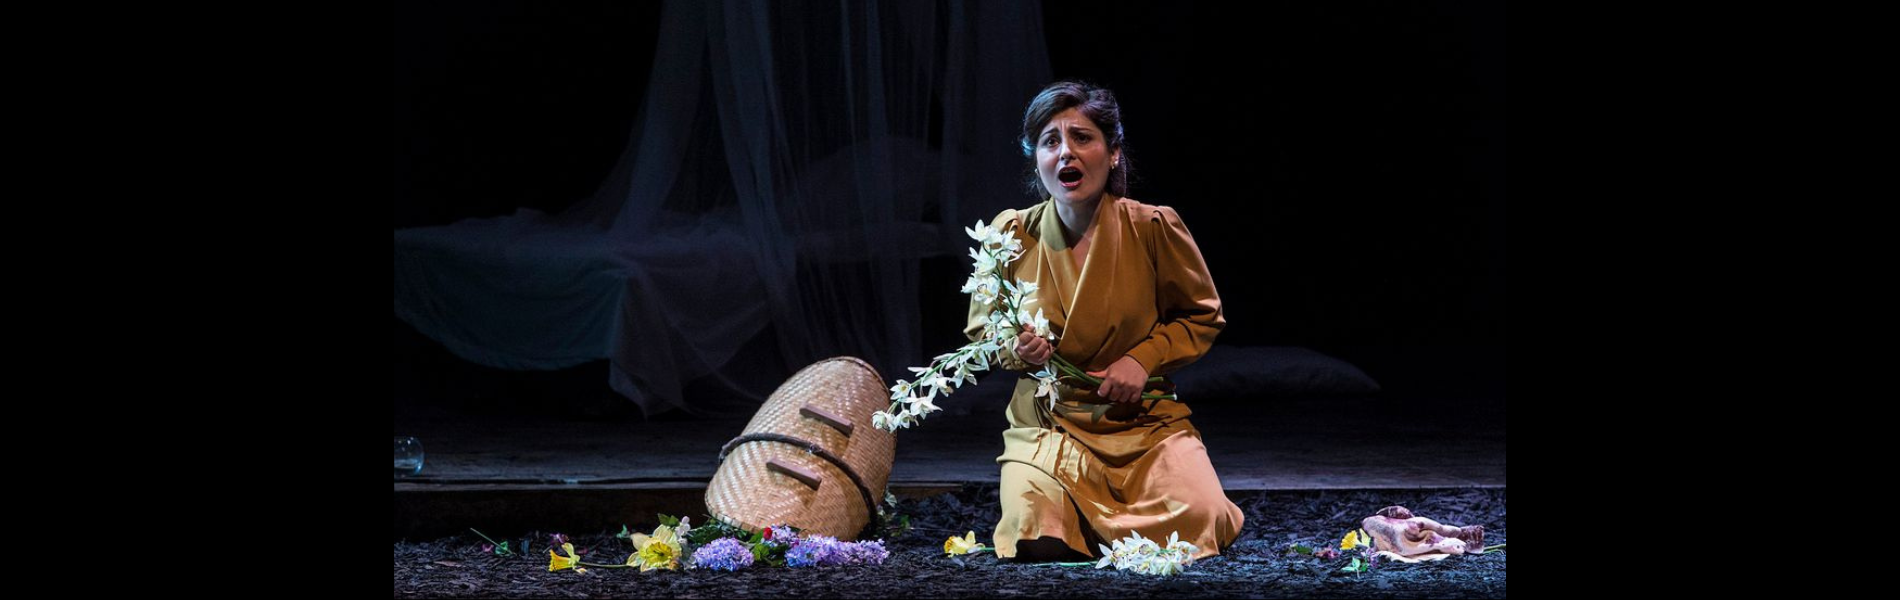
1240	371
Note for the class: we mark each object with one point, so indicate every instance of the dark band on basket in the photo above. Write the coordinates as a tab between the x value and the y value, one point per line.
870	505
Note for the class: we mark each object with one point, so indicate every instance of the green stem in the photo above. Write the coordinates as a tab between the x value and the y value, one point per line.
1071	370
491	541
485	537
1497	547
588	564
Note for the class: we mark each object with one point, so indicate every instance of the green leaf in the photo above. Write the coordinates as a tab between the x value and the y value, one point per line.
669	521
1302	549
1355	567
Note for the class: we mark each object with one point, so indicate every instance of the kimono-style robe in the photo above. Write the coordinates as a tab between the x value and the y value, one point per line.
1089	470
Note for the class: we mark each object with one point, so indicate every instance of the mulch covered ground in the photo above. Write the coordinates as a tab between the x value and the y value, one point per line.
1258	566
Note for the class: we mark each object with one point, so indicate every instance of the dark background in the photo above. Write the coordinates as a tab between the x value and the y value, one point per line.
1342	165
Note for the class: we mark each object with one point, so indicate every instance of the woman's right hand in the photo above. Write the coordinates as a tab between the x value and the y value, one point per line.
1032	348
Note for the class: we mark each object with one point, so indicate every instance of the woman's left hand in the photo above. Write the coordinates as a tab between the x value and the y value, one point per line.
1122	381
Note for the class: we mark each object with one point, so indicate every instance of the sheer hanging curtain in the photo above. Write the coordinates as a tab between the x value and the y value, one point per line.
791	164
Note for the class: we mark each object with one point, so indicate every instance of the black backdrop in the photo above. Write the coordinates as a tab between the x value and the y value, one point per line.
1341	164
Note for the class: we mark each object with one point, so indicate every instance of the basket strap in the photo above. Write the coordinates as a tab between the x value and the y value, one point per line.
870	505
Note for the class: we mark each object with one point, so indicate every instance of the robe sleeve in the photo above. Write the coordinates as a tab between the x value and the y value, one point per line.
1007	220
1189	307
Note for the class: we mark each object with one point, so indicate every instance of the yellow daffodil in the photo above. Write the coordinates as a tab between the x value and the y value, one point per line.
1352	541
658	551
961	545
557	562
657	555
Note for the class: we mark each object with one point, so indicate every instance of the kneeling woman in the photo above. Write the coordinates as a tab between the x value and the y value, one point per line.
1125	288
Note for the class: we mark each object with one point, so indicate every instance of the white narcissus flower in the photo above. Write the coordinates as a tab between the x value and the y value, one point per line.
994	237
981	233
1012	245
922	405
1144	556
985	263
985	292
980	353
966	370
1039	322
1164	567
1001	330
938	384
970	285
996	250
1046	388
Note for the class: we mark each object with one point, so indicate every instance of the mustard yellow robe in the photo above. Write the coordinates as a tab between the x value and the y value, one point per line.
1091	471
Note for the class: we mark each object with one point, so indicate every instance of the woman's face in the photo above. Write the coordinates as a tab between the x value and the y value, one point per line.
1073	159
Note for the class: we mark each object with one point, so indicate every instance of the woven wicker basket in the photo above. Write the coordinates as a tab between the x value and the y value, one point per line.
809	458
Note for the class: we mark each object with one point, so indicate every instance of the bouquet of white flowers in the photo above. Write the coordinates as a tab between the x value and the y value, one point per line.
1009	313
1142	555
